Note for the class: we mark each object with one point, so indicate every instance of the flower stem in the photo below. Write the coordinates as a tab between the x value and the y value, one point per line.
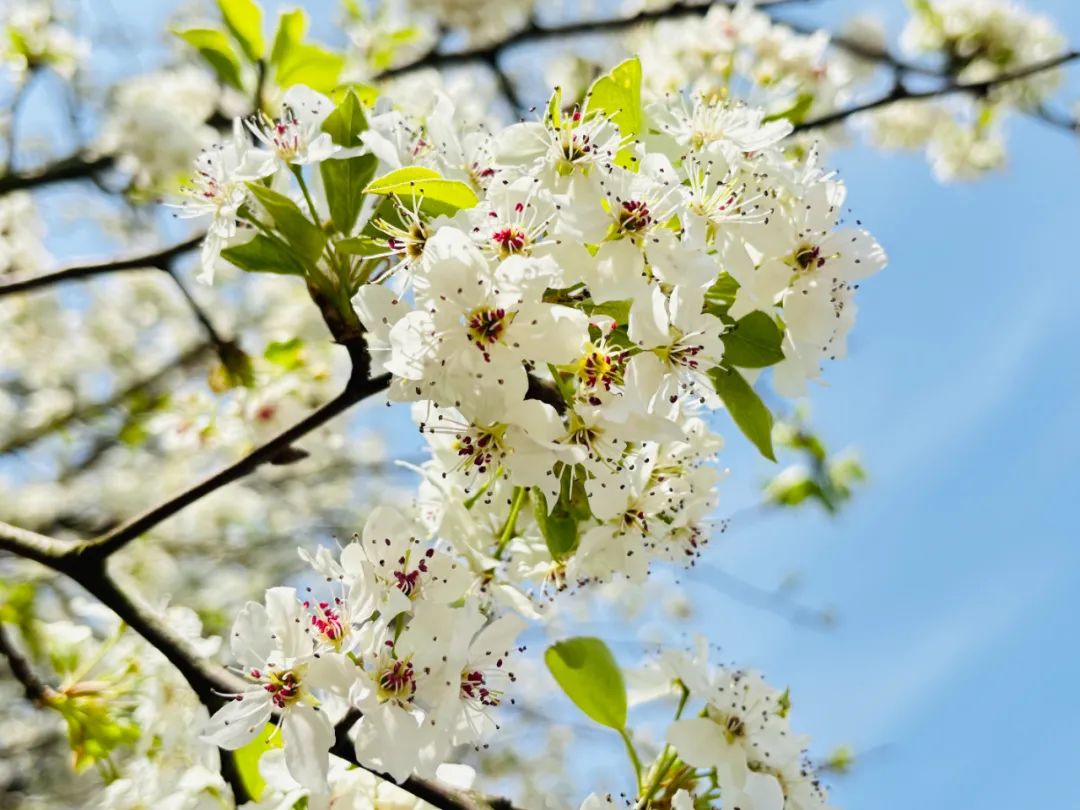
298	173
634	759
520	493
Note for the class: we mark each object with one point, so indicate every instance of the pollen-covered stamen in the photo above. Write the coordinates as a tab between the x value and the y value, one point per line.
634	216
634	518
511	240
284	135
328	620
487	325
601	369
475	688
283	686
808	257
406	241
481	448
409	580
396	681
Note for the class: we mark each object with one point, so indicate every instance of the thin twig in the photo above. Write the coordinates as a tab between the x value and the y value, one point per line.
35	688
142	261
78	166
95	409
899	92
123	534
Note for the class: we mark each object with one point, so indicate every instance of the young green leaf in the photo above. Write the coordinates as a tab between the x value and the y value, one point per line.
288	354
618	96
586	670
360	246
311	65
263	255
347	121
214	47
292	25
243	18
299	62
437	195
303	236
746	408
344	181
753	342
559	528
247	759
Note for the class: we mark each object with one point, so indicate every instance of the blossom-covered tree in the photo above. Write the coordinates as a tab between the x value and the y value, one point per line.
574	297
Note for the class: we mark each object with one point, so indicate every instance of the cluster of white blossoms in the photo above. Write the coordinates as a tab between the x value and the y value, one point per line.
396	634
977	40
564	301
33	36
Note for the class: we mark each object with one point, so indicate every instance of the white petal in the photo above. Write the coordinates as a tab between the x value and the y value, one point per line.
307	735
239	721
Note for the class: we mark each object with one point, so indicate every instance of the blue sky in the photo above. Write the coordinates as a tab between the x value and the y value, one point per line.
955	573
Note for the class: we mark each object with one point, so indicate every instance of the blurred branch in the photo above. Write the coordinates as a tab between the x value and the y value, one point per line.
899	90
78	166
534	32
773	601
36	689
96	409
156	260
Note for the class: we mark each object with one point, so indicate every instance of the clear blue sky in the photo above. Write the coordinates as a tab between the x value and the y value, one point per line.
956	572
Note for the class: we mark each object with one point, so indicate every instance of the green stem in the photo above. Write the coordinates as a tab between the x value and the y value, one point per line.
634	760
472	499
298	173
520	493
666	759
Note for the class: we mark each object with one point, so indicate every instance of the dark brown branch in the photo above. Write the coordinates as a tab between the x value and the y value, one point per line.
357	389
78	166
900	92
36	689
533	33
143	261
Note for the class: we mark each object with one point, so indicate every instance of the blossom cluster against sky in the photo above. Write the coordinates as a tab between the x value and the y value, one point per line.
954	574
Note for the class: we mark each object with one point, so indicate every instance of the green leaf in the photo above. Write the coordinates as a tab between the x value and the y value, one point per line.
299	62
559	528
437	195
347	121
586	670
753	342
292	25
746	408
288	354
554	108
263	255
361	246
797	112
618	96
247	760
344	181
243	18
368	94
303	235
214	47
312	65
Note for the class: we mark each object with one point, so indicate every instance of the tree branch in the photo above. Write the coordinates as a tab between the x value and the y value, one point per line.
77	166
96	409
900	92
533	33
355	390
143	261
36	689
